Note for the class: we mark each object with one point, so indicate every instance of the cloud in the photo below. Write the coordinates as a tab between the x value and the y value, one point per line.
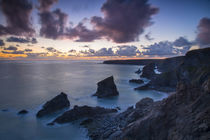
166	48
18	20
105	52
1	42
72	51
21	40
82	33
118	17
11	48
51	49
148	36
36	55
28	50
53	23
203	36
126	51
181	41
115	25
45	5
13	52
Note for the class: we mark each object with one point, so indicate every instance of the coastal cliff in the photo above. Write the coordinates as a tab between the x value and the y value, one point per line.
185	114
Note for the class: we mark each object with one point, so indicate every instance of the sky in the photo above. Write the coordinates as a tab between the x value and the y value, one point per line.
102	29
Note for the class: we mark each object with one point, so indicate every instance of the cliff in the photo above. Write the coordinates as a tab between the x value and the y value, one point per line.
185	114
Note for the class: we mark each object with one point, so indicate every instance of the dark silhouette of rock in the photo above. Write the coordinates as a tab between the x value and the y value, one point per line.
138	81
148	71
22	112
144	102
80	112
106	88
57	103
4	110
138	71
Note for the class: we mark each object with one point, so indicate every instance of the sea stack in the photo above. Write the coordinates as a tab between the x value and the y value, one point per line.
106	88
57	103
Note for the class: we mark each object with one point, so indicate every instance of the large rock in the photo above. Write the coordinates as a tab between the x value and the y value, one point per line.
148	71
106	88
80	112
57	103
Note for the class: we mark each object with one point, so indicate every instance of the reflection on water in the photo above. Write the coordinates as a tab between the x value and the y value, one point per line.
28	84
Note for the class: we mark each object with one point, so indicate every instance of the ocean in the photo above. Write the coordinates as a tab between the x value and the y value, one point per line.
29	84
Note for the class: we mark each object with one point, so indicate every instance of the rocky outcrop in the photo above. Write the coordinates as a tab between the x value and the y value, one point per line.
81	112
106	88
57	103
138	71
189	105
22	112
148	71
137	81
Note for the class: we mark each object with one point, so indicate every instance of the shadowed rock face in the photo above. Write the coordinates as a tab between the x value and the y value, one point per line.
148	71
57	103
81	112
106	88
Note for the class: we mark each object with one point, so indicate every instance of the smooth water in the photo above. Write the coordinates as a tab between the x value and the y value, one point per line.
29	84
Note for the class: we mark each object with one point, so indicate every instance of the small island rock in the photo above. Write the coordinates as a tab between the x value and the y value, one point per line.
106	88
22	112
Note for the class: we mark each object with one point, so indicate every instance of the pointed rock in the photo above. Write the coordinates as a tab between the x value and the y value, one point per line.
106	88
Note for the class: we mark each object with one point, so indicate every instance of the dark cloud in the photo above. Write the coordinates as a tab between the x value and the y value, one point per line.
17	13
115	25
53	24
1	42
72	51
203	36
148	36
82	33
21	40
51	49
13	52
181	41
124	20
11	48
45	5
126	51
28	50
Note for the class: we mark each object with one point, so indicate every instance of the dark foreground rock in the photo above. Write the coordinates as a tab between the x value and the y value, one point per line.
106	88
57	103
137	81
22	112
81	112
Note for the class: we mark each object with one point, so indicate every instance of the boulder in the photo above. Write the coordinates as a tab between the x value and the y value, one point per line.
80	112
138	81
57	103
22	112
106	88
144	102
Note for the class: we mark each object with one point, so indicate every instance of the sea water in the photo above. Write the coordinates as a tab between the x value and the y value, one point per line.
29	84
